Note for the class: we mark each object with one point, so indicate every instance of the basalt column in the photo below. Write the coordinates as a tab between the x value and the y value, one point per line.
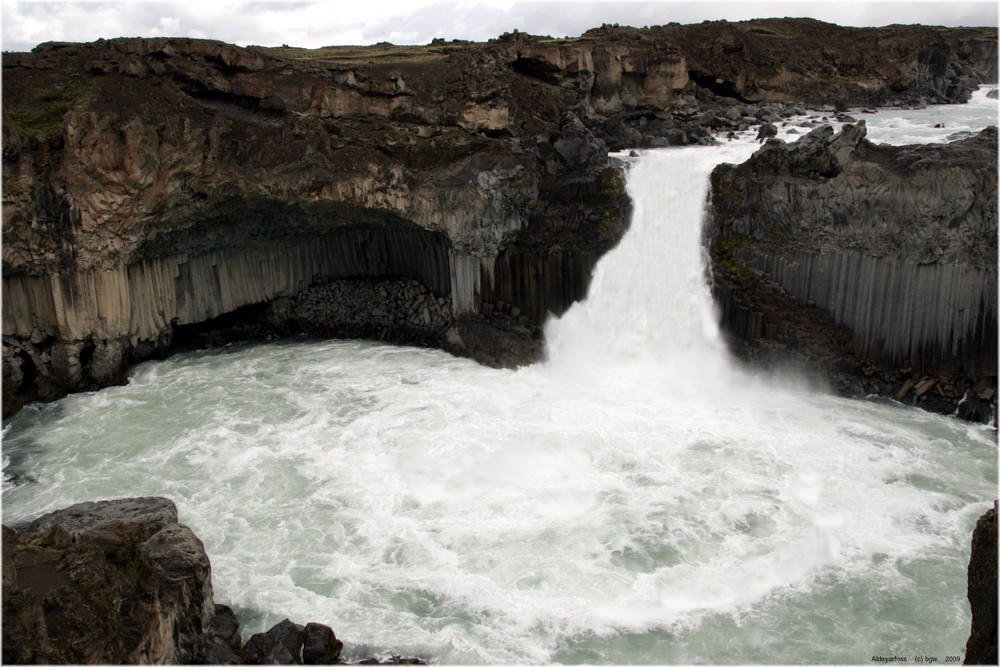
873	264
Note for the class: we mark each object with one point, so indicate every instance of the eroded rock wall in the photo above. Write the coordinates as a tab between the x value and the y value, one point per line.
981	649
895	246
151	184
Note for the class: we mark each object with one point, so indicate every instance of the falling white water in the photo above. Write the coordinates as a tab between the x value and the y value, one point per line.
649	305
633	500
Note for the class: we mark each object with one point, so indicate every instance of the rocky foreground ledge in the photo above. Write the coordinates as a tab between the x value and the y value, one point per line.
981	649
122	582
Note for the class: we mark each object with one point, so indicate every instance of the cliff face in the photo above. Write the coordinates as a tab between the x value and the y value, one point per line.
878	262
156	184
981	649
162	188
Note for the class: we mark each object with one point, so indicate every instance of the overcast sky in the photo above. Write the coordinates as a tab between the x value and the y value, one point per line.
313	23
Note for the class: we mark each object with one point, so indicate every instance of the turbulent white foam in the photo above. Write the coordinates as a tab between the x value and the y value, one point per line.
634	499
436	506
935	124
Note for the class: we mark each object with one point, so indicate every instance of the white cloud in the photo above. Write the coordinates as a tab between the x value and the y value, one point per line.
168	26
313	23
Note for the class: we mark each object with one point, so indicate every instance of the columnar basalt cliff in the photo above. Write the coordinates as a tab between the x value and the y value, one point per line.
874	264
152	185
162	187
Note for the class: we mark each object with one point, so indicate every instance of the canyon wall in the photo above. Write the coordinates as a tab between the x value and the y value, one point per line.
155	185
875	264
157	190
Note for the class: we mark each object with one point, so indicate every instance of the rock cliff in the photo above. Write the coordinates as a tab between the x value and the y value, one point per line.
153	185
157	190
874	264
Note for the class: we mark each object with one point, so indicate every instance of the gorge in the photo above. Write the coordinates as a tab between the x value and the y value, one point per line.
634	497
156	188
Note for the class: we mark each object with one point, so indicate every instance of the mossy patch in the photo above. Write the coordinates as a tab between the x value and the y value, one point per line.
725	253
43	116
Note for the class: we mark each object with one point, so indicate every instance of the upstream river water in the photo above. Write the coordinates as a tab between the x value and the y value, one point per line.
635	498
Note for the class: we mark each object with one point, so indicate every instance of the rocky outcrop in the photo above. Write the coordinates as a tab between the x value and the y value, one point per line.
159	188
981	648
106	583
122	582
873	264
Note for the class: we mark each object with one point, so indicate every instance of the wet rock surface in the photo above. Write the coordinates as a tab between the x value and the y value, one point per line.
105	583
400	310
122	582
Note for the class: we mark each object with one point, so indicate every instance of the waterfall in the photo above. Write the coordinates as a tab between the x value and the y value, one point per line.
649	307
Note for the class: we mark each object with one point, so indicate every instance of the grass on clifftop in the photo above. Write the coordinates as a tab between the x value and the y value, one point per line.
355	54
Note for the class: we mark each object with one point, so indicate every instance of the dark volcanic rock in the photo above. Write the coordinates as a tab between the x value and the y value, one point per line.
121	582
174	188
225	645
766	131
873	265
152	186
981	648
281	645
321	646
107	583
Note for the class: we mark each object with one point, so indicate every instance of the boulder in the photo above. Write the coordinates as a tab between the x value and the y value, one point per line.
281	645
225	645
766	131
320	646
109	582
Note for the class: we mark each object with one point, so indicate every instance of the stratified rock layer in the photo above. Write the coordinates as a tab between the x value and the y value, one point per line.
874	264
151	186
